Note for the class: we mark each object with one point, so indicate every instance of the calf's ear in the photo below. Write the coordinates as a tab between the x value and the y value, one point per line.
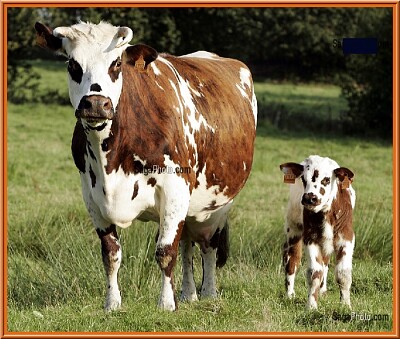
140	56
293	167
343	172
46	39
292	171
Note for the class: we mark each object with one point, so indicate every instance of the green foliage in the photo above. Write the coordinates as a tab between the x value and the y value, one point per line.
22	80
367	84
277	43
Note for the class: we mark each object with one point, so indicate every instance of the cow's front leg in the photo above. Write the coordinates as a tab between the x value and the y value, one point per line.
111	253
174	207
315	273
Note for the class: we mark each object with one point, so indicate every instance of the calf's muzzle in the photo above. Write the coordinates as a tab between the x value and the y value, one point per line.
95	107
310	199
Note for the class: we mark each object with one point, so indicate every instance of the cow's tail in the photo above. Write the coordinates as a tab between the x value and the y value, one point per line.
223	246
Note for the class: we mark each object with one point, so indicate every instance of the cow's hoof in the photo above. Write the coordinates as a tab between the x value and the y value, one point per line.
113	303
211	295
189	297
167	306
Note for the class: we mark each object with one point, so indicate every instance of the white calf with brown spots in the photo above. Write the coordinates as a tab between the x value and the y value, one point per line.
319	215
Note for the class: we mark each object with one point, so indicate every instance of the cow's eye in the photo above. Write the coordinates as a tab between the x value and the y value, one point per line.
75	70
72	64
115	69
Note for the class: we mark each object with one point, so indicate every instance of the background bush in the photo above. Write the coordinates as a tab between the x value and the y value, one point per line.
279	44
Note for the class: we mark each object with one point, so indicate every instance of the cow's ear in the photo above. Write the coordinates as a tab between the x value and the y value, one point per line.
46	39
140	56
342	173
293	167
123	36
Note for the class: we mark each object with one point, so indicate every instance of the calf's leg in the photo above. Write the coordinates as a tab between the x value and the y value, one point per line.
314	273
292	252
343	270
324	288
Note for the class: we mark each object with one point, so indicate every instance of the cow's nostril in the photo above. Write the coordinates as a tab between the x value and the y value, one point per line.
95	106
107	105
85	103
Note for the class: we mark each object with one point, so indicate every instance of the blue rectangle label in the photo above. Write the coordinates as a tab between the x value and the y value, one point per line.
360	46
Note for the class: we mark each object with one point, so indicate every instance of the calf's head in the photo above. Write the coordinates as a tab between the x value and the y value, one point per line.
96	57
321	179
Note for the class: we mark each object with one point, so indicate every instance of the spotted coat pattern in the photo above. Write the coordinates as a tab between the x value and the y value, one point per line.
319	216
142	117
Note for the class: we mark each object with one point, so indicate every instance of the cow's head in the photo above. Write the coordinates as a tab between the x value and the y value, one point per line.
96	57
321	178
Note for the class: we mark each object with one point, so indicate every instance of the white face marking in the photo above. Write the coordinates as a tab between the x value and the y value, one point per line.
320	180
94	48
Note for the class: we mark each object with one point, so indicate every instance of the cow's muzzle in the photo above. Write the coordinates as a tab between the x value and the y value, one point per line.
310	200
94	108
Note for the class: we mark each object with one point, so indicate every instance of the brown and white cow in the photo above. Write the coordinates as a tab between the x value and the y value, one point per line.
319	215
161	138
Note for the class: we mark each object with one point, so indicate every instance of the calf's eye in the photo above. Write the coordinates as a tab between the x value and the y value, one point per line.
326	181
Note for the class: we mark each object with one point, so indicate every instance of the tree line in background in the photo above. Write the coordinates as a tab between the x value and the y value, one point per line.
283	44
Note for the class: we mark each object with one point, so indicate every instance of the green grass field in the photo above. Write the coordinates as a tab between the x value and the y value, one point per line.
55	273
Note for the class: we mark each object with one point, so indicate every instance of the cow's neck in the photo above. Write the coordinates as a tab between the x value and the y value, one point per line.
98	143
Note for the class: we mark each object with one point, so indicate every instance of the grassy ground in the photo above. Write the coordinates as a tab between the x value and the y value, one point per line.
55	274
